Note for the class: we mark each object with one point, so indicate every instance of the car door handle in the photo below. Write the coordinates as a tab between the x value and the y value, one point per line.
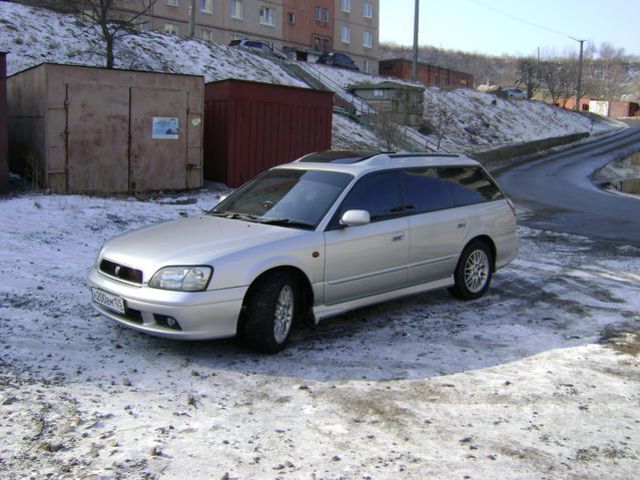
397	237
462	225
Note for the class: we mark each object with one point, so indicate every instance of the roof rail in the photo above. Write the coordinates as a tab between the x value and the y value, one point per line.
424	154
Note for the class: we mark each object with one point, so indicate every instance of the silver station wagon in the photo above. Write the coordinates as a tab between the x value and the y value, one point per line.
328	233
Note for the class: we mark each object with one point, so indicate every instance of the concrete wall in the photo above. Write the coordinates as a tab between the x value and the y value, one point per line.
488	157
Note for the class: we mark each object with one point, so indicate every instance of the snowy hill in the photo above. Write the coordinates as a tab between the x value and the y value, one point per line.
467	119
471	119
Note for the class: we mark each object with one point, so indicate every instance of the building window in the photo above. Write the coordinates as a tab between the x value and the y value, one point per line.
322	14
237	9
173	3
171	28
268	16
345	5
291	18
368	68
367	10
367	39
206	6
207	36
345	34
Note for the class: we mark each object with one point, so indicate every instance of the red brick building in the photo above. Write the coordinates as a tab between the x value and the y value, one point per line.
427	73
305	25
570	103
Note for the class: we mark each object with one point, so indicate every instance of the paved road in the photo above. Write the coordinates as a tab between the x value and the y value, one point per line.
557	191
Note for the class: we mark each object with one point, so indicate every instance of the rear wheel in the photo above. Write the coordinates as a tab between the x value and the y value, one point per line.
473	272
273	304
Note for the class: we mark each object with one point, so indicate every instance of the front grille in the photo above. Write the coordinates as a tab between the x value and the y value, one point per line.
120	271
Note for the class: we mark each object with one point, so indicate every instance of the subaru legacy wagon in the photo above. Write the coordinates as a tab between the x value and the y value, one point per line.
315	238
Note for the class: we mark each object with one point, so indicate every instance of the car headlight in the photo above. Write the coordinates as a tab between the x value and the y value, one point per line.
184	279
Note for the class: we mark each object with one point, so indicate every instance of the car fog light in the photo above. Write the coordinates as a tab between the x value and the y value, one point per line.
167	321
171	322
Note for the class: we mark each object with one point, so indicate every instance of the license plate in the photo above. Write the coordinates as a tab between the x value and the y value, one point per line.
112	302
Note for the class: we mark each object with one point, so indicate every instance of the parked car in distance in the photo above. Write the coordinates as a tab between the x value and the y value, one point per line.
513	92
257	45
337	60
315	238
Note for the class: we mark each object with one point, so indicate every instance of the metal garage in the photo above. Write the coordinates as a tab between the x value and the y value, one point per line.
90	130
252	126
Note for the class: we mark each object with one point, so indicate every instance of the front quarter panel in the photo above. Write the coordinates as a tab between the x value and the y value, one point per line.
242	268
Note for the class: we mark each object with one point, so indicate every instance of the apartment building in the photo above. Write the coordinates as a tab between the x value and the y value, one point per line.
356	31
306	27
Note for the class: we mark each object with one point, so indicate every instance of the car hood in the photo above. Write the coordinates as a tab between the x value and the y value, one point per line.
191	241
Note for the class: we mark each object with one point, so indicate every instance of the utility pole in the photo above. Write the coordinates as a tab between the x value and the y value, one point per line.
416	22
192	18
578	93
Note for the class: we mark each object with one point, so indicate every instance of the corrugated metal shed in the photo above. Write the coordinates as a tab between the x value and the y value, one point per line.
90	130
4	139
251	127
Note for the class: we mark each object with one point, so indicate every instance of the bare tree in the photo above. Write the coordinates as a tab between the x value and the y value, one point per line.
550	72
114	19
558	76
527	76
386	129
606	71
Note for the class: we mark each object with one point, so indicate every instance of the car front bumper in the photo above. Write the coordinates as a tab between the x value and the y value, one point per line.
201	315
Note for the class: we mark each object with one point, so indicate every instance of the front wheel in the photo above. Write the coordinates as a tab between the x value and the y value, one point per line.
272	305
473	272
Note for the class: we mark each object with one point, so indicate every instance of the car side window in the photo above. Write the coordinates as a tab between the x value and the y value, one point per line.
377	193
424	190
469	185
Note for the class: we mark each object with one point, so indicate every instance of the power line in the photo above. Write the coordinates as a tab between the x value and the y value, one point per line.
521	20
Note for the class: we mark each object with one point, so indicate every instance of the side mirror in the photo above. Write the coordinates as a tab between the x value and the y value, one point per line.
353	218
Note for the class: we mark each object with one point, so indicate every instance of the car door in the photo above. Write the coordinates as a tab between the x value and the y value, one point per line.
368	259
437	229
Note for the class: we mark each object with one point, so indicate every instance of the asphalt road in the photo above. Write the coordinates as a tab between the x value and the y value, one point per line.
557	192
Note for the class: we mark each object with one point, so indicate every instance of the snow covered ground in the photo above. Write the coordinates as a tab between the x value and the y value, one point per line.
537	380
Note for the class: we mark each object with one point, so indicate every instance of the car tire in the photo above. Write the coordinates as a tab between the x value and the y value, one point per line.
473	273
271	308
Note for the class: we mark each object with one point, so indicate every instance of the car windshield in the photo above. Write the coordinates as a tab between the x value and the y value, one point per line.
287	197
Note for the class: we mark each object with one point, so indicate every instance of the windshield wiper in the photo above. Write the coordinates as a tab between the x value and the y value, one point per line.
287	222
235	216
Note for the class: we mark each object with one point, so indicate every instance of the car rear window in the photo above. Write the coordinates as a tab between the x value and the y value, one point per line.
469	185
424	190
